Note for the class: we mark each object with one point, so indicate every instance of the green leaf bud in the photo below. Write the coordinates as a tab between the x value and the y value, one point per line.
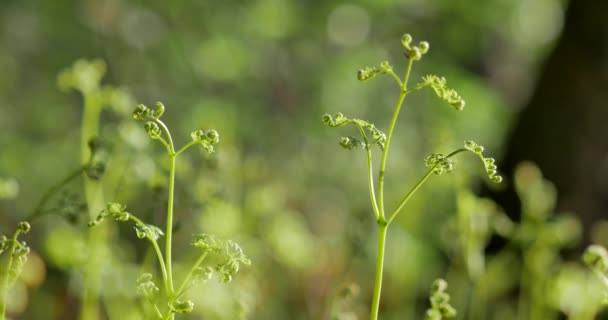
458	105
385	67
440	302
143	113
178	306
23	227
152	129
337	120
488	163
148	231
432	314
117	211
439	85
208	243
351	143
159	110
367	73
423	46
202	274
440	163
213	137
439	285
146	286
406	40
596	257
95	170
414	54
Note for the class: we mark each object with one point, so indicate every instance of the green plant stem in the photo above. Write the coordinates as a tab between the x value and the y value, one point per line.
95	202
409	194
382	229
159	254
5	276
188	145
370	172
169	233
182	287
417	186
389	134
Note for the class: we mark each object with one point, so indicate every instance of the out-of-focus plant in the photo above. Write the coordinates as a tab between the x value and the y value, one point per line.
16	256
540	235
440	302
370	136
230	253
85	77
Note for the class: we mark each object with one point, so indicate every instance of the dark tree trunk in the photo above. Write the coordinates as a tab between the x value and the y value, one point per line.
564	127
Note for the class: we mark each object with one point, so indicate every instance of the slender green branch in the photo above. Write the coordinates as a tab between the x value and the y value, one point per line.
169	232
188	145
382	228
389	134
410	193
158	313
396	77
408	69
159	255
370	172
183	287
169	315
166	144
170	193
407	197
170	144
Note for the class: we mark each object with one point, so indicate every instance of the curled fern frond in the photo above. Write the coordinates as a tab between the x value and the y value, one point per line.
440	163
439	85
378	137
488	163
206	138
440	302
146	286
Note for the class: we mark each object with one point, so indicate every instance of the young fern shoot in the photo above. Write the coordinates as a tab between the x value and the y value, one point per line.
16	252
232	256
437	163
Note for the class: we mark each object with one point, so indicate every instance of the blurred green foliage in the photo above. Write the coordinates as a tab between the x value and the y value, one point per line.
261	73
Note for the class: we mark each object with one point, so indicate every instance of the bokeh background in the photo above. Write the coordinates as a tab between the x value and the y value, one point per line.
533	74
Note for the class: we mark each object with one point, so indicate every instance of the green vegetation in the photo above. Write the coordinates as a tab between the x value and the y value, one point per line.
323	233
437	163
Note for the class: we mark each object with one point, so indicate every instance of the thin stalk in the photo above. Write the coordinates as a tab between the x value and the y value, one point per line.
159	255
382	228
95	202
409	194
370	173
389	134
169	232
182	287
